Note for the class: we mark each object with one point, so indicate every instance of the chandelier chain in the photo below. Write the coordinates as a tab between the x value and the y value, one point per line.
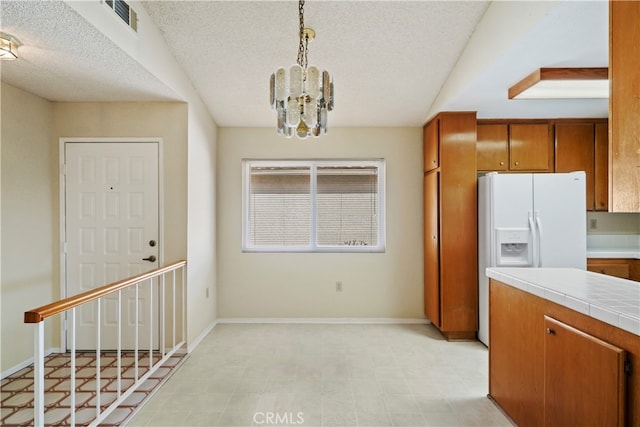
304	39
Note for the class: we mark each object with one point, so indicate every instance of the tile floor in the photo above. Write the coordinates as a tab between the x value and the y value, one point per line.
16	407
326	375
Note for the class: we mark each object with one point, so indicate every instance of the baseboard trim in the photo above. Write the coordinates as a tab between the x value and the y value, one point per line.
28	362
194	344
325	320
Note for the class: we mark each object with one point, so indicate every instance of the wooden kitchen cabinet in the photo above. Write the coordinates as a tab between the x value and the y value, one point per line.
540	382
492	147
505	145
575	151
626	268
430	144
601	169
431	247
611	267
583	146
450	215
584	378
624	106
530	147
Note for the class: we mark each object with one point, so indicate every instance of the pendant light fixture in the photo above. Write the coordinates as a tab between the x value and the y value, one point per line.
303	98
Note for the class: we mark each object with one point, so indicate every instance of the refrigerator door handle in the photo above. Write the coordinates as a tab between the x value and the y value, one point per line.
532	228
539	240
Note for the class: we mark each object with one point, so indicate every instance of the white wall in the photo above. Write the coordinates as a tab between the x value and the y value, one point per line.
29	270
302	285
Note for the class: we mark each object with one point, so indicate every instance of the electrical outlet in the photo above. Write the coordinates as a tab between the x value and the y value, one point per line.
593	224
338	286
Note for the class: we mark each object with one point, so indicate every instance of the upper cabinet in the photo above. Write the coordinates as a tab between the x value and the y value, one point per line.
530	147
492	147
431	144
601	197
517	147
583	147
624	106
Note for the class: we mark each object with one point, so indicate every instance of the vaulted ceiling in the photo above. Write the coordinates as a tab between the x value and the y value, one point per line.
393	62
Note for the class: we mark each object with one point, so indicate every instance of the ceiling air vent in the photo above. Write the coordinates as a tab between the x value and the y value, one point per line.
125	12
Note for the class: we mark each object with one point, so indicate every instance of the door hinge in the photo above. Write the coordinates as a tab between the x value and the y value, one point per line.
627	367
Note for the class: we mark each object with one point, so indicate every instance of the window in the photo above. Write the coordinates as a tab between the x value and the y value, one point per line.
313	206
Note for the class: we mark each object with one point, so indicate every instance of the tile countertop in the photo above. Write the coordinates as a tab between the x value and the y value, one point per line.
610	299
613	246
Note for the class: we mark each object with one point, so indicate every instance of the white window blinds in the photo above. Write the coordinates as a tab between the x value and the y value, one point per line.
347	205
313	206
280	206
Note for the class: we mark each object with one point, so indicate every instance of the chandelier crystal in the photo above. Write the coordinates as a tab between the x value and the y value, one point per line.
302	98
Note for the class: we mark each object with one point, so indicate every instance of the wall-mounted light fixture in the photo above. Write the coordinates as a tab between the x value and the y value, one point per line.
8	46
563	83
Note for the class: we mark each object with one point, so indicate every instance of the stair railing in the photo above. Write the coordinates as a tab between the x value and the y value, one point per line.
157	278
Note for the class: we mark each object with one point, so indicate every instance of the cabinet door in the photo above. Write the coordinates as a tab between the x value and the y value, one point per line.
432	247
601	176
492	147
584	380
575	151
430	144
624	104
530	147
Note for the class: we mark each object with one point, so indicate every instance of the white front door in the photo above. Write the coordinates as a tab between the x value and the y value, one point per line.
111	230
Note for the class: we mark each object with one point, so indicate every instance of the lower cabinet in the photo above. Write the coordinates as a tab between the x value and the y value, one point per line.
584	379
618	267
552	366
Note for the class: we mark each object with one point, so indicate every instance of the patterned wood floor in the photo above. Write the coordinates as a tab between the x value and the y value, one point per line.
16	407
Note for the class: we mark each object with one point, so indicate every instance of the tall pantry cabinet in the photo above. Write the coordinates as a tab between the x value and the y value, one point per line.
450	224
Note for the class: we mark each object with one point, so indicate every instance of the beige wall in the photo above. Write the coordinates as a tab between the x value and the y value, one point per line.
29	269
201	250
144	119
30	195
302	285
614	223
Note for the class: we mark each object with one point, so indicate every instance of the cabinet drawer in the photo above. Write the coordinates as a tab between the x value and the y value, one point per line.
617	269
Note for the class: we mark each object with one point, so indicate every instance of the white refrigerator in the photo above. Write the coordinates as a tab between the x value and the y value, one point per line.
529	220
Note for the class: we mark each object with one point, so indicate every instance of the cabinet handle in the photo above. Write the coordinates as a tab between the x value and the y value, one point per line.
434	162
501	163
550	331
516	163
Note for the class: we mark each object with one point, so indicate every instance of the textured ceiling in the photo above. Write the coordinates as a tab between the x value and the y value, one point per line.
63	58
389	59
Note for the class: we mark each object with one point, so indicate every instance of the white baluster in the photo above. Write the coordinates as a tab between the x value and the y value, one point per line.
38	374
72	384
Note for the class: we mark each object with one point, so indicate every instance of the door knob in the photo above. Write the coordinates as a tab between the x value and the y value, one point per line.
152	258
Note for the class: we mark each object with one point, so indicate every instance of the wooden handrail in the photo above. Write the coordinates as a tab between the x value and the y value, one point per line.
37	315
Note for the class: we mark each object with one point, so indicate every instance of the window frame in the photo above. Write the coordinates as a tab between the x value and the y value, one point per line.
313	246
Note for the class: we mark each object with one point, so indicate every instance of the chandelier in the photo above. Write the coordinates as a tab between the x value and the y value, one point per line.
303	98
